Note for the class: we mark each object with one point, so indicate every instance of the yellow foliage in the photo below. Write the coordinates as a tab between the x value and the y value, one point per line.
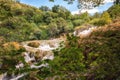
106	17
14	45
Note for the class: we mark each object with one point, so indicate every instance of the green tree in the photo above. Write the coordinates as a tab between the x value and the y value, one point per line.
62	11
53	30
104	19
61	24
96	15
117	1
44	8
38	18
55	8
114	11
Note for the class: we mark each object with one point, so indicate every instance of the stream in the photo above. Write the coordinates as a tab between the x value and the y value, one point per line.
43	51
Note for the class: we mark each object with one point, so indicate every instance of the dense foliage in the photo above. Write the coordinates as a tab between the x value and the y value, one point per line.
20	22
101	19
114	11
88	4
91	58
95	57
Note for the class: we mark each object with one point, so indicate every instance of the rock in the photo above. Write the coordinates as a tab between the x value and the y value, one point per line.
40	54
34	44
51	44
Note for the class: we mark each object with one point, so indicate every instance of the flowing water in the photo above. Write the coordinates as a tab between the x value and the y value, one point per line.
43	51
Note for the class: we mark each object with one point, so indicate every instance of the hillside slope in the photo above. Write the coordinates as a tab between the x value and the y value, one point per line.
93	57
20	22
15	20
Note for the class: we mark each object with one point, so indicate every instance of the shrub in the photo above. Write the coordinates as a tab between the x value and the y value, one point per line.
9	58
104	43
93	58
12	45
106	17
78	22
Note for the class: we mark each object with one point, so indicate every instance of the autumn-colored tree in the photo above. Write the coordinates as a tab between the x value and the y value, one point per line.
106	17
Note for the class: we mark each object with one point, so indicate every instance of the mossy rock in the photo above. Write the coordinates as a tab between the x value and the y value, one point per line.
51	44
34	44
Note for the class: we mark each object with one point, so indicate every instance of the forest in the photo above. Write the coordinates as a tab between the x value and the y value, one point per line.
69	53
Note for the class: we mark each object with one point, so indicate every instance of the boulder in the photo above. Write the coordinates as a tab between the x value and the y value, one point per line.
34	44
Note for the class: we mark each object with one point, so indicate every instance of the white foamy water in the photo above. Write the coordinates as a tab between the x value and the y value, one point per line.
28	58
21	65
84	33
19	76
45	45
50	57
37	67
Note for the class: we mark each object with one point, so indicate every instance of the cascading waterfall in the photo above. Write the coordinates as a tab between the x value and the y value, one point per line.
44	46
84	33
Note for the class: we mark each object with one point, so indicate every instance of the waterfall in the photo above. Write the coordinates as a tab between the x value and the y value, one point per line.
19	76
84	33
46	46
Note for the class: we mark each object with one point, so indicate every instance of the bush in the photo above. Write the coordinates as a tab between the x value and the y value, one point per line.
17	12
13	22
104	19
15	45
68	62
93	58
104	43
10	55
78	22
98	22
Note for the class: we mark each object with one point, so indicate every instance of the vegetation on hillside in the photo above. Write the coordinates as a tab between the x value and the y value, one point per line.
20	22
95	57
114	11
91	58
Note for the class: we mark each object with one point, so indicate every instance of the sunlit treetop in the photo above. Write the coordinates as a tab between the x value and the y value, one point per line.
88	4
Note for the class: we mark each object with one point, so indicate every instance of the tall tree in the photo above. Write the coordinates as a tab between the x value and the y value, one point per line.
44	8
117	1
106	17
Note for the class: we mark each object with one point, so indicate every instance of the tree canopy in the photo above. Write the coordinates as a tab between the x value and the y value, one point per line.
83	4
